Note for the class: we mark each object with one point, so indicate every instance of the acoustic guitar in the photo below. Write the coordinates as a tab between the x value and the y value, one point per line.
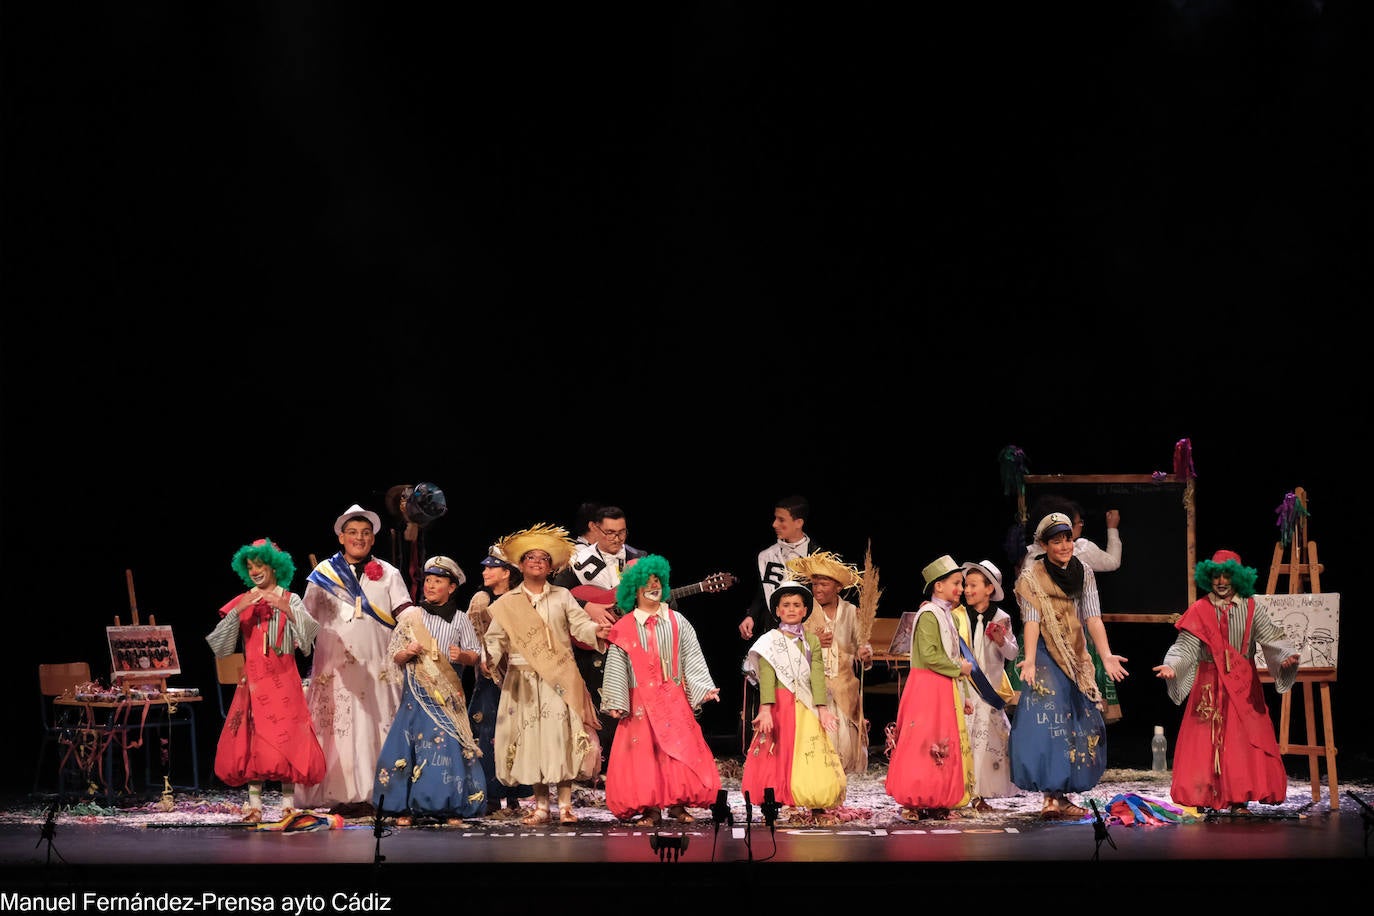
599	603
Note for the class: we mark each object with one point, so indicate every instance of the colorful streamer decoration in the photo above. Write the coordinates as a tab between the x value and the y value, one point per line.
1289	512
1183	460
1013	462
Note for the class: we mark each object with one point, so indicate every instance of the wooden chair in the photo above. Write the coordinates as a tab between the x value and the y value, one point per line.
230	671
55	680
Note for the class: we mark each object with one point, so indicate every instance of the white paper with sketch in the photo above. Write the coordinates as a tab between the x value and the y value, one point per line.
1312	622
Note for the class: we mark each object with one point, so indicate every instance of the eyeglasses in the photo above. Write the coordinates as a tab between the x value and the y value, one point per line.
612	535
538	558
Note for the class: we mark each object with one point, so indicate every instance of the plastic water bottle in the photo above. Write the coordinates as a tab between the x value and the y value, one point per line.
1159	749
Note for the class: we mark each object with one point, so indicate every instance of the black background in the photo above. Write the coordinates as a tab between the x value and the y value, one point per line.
263	261
1156	580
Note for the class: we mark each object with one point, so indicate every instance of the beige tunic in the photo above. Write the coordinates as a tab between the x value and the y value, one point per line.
540	738
842	684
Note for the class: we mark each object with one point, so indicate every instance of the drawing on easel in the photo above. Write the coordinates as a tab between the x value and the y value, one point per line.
1312	622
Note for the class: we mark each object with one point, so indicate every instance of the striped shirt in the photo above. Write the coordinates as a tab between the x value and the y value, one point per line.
619	677
1187	651
456	632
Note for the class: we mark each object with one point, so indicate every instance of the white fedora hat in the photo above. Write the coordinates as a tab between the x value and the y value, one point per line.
993	574
357	511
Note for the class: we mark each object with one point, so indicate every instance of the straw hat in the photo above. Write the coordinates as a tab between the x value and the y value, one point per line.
824	563
551	539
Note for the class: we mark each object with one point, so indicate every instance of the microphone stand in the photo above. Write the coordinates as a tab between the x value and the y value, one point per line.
721	813
379	831
50	830
770	808
1099	831
1366	817
748	826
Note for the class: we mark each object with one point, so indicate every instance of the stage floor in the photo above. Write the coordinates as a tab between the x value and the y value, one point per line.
1291	852
1285	859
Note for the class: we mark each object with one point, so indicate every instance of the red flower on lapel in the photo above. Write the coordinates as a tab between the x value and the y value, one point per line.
373	570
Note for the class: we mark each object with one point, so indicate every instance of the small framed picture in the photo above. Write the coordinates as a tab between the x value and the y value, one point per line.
901	639
142	652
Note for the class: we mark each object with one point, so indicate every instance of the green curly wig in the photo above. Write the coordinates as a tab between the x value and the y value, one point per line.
264	551
1242	577
635	577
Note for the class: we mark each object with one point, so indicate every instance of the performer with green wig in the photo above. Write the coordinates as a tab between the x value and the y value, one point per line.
267	733
1226	755
655	679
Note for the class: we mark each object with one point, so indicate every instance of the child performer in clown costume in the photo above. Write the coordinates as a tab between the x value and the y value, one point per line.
267	734
655	677
1226	754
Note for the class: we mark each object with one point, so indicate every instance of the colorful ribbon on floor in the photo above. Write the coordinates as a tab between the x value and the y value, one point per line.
1131	810
302	822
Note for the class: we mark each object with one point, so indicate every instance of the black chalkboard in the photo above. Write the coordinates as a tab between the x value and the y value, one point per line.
1157	536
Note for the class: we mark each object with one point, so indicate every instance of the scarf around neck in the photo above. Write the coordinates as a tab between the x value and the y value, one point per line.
443	611
1069	578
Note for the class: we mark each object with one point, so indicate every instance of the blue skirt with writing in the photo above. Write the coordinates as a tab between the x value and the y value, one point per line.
423	768
1058	738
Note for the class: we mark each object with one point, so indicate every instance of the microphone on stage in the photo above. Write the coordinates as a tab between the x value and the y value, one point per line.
49	825
1366	817
378	828
50	828
720	811
379	831
770	807
1099	830
748	809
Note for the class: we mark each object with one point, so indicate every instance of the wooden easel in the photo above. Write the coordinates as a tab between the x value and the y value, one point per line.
139	680
1302	564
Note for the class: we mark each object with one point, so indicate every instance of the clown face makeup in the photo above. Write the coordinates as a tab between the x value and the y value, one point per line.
263	576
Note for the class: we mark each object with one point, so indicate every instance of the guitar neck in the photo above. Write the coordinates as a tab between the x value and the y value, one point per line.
687	591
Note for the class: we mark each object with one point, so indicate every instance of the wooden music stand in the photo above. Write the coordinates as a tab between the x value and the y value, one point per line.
1302	564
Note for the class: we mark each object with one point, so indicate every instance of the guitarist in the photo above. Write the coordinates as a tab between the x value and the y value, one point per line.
592	577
